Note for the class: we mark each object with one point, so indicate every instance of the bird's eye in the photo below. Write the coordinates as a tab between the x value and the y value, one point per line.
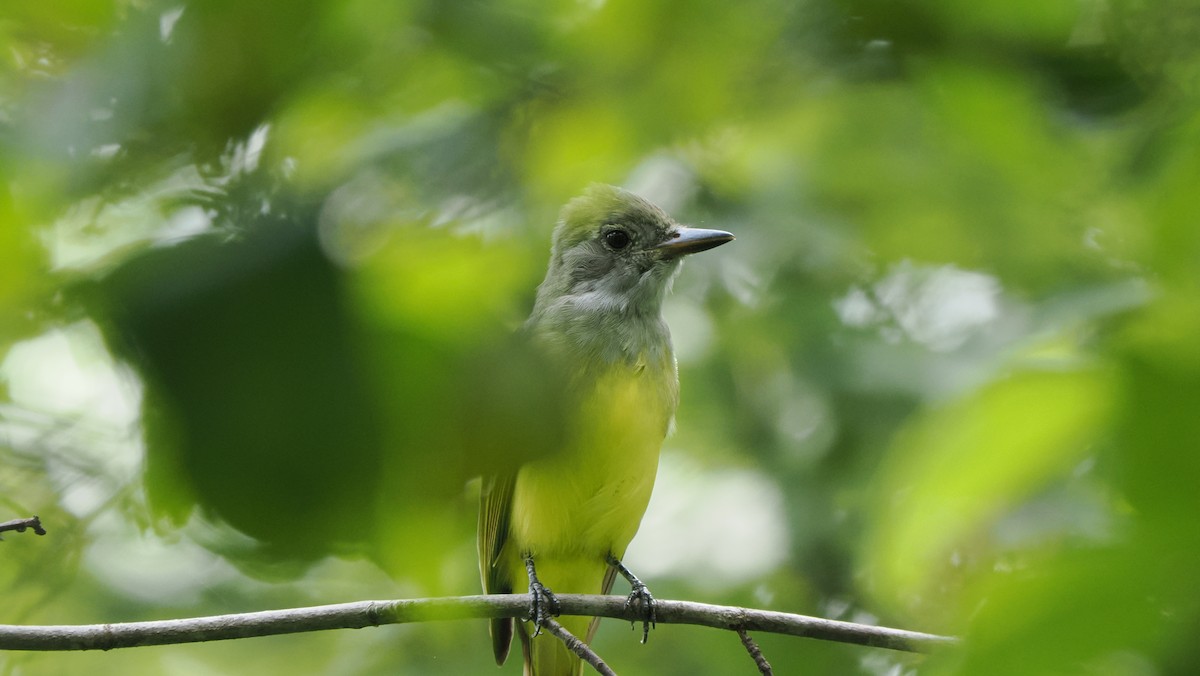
617	239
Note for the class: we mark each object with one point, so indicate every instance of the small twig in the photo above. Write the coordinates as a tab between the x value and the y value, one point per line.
764	667
578	647
20	525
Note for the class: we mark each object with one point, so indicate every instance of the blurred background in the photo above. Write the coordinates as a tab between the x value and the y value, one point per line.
260	264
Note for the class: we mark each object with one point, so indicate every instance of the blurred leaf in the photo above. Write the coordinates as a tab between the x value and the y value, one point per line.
952	470
260	404
461	392
1044	21
21	272
1069	612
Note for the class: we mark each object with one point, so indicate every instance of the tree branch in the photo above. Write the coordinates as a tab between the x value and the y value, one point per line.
20	525
375	613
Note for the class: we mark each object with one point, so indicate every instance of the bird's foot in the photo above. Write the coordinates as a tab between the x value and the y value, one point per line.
543	604
640	600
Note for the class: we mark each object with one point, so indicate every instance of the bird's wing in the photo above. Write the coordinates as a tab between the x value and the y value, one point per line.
495	508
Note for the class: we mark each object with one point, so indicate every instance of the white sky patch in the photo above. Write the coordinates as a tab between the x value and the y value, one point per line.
145	566
247	154
106	151
939	307
68	372
664	180
78	410
722	524
741	280
166	22
857	309
691	329
184	223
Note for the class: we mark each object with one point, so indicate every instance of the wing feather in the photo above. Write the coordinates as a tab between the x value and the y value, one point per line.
495	509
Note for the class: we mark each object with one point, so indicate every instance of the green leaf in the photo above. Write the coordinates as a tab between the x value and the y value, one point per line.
957	467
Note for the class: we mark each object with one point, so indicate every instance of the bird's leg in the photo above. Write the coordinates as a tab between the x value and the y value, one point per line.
542	602
639	599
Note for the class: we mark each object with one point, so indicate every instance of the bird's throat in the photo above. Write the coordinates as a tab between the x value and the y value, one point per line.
589	334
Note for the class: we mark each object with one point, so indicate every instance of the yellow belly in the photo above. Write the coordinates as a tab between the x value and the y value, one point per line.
588	500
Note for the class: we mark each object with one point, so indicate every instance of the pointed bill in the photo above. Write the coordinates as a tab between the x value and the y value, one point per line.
687	240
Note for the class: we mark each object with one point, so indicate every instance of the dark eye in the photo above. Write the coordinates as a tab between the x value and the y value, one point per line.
617	239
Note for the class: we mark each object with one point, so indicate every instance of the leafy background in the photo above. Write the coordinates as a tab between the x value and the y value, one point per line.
259	263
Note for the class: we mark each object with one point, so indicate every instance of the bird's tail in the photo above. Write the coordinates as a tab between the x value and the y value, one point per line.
546	655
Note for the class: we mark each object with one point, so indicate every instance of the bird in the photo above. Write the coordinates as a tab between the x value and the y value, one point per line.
563	521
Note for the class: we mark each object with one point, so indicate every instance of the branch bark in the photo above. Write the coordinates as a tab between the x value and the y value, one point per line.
760	661
578	647
19	525
375	613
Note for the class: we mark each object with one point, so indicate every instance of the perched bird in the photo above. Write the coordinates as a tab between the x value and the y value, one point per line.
563	521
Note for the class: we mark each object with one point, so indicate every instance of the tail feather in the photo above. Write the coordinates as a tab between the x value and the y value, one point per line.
502	632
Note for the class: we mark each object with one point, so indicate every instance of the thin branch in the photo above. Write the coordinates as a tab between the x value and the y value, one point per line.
375	613
578	647
764	667
20	525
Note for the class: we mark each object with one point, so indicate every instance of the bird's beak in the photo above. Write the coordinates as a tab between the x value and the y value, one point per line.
687	240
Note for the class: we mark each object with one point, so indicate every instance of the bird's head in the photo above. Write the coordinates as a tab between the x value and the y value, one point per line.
614	250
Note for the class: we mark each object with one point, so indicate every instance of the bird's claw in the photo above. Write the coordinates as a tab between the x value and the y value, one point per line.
543	604
641	601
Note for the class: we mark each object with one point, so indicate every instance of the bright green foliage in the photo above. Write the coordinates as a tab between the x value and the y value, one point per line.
261	264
